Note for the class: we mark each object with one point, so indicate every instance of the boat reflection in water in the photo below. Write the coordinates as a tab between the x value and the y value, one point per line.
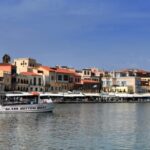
25	102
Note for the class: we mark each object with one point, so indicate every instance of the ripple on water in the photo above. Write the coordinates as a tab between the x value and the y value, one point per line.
78	127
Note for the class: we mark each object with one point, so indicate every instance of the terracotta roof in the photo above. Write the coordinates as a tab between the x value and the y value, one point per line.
47	68
133	70
65	71
90	81
29	74
142	71
5	64
7	67
77	75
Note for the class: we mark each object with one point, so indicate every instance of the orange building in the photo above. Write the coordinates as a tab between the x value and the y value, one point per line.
88	85
58	79
8	76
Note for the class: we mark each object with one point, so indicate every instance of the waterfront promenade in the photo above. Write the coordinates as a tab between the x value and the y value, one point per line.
100	98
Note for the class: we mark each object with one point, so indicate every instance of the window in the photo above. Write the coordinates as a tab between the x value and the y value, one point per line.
124	83
21	80
34	81
77	80
118	83
26	81
138	82
52	88
71	80
7	79
52	78
39	71
108	83
66	77
59	77
104	83
30	82
39	81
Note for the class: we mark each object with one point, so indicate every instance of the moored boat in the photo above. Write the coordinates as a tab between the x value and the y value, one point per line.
25	102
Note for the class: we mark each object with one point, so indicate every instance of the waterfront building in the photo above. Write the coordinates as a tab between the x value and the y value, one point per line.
142	77
58	79
65	79
130	73
90	86
48	75
92	74
29	81
127	85
5	81
126	81
145	84
91	79
7	76
25	64
107	83
26	71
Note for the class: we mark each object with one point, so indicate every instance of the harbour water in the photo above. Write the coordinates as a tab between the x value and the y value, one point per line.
110	126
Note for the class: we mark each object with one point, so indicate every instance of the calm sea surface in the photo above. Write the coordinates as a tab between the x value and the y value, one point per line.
78	127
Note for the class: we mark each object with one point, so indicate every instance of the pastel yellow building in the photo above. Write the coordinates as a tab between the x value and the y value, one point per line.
122	89
25	64
122	84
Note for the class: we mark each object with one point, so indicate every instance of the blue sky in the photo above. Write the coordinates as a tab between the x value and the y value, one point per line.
108	34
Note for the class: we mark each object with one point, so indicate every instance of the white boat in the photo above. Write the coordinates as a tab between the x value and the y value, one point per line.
25	102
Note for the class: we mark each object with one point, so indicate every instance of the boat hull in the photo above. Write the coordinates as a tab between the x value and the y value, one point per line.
48	107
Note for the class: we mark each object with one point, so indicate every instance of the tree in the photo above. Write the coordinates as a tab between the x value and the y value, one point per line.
6	59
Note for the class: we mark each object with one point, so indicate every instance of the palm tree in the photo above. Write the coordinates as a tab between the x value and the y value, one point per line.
6	59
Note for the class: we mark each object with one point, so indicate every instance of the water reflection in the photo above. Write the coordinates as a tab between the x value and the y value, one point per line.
21	130
78	126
